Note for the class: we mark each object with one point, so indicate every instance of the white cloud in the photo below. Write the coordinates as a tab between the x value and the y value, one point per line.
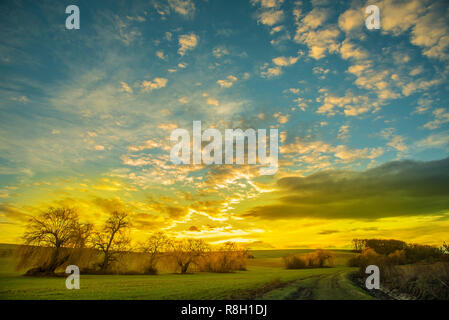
439	140
182	7
125	87
271	17
268	3
397	142
319	40
351	19
22	99
441	117
187	42
156	83
161	55
228	82
212	102
343	132
283	61
281	118
270	72
219	52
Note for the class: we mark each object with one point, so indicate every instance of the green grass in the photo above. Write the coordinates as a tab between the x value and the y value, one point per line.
265	279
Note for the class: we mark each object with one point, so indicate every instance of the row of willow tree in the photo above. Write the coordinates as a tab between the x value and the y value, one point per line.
56	238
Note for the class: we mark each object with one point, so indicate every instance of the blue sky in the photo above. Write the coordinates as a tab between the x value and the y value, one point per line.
95	106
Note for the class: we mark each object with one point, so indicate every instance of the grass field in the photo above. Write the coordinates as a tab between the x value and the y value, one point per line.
265	279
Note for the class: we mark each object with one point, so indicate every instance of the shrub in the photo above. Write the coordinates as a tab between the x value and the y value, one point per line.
295	262
366	258
228	258
318	259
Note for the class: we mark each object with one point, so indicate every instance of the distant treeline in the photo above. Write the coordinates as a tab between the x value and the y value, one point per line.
56	238
401	252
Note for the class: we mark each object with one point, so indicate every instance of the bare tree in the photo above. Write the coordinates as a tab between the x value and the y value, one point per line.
153	247
83	235
55	228
187	251
112	239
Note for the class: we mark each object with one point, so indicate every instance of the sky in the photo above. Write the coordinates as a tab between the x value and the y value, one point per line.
363	117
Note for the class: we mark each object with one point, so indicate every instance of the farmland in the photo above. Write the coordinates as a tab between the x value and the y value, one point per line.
266	278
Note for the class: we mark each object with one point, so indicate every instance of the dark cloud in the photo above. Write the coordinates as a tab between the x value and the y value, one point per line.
173	212
324	232
109	205
13	214
398	188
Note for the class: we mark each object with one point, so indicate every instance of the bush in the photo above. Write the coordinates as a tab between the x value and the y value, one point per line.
366	258
229	258
295	262
318	259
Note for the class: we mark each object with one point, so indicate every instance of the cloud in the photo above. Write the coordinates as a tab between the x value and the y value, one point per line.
182	7
351	19
281	118
136	162
441	117
212	102
22	99
317	154
283	61
279	63
12	213
268	3
270	17
343	132
398	188
219	52
349	104
397	142
156	83
438	141
319	39
271	72
426	20
125	87
348	155
187	42
123	31
149	144
228	82
348	50
168	126
161	55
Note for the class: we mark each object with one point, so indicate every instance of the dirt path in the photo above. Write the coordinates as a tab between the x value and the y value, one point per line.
328	286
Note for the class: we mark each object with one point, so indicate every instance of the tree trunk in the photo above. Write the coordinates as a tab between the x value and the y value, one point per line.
185	267
105	264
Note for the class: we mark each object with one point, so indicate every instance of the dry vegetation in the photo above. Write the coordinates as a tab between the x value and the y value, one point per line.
420	271
56	239
318	259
